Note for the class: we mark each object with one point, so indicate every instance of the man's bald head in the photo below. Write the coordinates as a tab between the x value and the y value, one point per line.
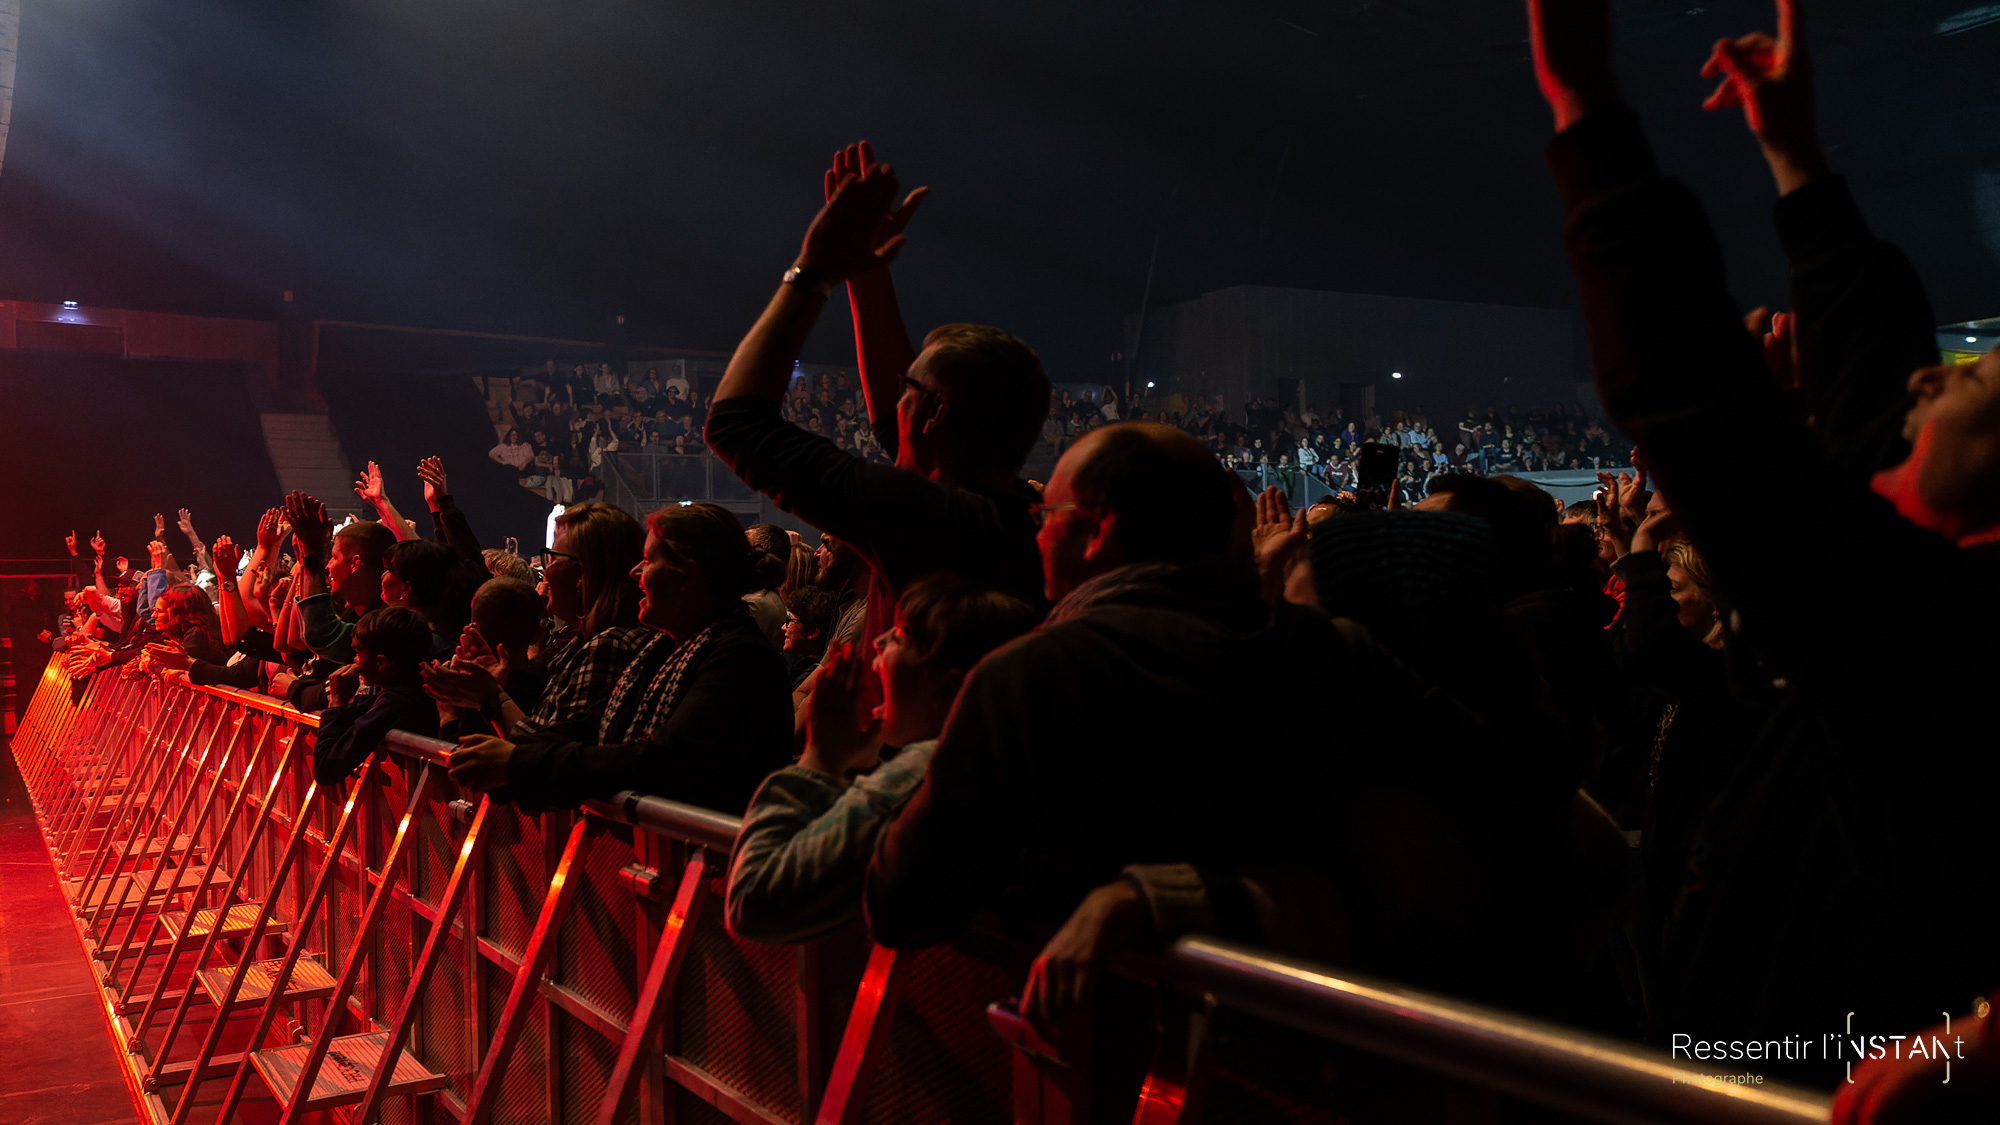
1174	502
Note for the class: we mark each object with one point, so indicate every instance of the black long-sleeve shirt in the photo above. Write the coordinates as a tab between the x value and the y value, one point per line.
1844	868
904	524
1864	324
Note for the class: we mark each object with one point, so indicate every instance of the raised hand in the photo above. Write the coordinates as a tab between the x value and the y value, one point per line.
157	555
309	523
1778	350
1572	48
226	555
431	470
368	485
474	652
851	162
856	231
1659	526
268	533
1275	538
97	543
840	731
186	524
70	542
159	526
1771	79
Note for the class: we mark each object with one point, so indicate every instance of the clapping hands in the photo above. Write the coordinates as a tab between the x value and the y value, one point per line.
1275	539
309	523
842	732
271	531
857	231
1622	507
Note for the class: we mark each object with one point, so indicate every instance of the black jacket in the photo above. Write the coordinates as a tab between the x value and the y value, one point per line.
1118	736
731	727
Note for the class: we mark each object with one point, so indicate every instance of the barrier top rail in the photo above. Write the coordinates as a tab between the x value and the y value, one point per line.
1554	1066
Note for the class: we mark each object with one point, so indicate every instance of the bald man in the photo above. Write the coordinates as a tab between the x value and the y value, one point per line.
1139	724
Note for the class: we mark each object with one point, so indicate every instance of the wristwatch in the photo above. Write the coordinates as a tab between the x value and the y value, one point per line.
806	277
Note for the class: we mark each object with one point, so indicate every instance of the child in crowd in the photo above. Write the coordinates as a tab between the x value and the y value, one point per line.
799	862
390	645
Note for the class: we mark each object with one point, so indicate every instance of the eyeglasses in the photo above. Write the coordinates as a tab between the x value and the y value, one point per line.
1040	512
547	558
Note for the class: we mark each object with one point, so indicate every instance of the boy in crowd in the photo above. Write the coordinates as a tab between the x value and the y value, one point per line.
390	645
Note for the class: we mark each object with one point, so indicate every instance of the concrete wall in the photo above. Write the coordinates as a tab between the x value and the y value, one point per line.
1240	342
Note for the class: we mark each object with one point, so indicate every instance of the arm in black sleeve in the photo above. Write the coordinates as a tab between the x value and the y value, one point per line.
731	728
236	670
889	514
349	733
1678	373
1864	324
455	531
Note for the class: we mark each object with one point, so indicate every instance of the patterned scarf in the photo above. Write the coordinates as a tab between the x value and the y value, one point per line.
650	689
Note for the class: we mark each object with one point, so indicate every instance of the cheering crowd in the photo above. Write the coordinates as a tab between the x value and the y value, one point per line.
1673	762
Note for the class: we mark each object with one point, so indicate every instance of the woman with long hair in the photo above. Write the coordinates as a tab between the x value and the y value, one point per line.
587	578
699	716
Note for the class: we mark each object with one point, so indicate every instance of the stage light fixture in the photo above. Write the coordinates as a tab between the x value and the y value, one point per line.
69	305
1395	374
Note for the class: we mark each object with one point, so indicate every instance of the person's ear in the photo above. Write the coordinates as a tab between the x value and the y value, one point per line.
940	407
1104	537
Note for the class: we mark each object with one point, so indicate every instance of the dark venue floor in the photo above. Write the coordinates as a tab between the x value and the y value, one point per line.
58	1065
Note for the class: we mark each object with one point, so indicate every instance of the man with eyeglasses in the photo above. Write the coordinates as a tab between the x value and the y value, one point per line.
959	417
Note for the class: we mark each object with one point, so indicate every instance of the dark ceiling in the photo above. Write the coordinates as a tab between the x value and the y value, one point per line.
539	167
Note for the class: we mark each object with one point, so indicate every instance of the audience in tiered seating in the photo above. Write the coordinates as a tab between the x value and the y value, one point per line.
1651	765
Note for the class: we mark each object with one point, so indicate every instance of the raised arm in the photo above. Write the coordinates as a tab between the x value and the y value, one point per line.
453	529
842	242
229	603
368	486
1678	373
1862	319
202	561
882	348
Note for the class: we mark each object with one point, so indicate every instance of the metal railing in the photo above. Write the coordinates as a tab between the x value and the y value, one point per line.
256	936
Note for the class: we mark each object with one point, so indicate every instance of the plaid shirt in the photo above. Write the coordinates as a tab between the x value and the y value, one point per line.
581	677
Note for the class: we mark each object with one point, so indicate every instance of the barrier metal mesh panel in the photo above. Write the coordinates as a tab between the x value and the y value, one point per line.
512	882
941	1061
734	1012
524	1090
587	1059
445	1028
596	958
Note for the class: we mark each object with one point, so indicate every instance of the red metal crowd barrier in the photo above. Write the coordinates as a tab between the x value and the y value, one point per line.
263	945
